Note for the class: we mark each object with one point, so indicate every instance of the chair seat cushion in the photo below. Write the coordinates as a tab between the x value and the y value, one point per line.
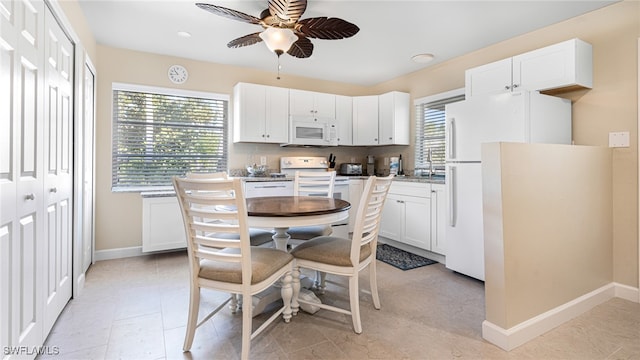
329	250
265	262
309	232
257	237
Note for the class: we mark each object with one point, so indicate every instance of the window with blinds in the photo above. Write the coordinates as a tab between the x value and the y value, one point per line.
430	135
158	135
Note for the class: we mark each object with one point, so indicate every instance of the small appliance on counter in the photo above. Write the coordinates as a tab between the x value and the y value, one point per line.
350	169
371	165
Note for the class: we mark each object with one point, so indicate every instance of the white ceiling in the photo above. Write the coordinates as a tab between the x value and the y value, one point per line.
391	32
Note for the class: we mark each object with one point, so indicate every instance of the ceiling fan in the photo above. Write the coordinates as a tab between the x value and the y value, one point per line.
284	31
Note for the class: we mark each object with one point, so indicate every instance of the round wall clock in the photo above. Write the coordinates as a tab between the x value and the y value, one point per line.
178	74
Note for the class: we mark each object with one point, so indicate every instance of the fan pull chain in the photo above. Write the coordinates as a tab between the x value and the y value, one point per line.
278	78
278	52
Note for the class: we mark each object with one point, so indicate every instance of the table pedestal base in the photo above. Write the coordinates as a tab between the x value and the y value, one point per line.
281	238
261	300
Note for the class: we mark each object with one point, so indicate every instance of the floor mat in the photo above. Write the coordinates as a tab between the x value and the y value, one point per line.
401	259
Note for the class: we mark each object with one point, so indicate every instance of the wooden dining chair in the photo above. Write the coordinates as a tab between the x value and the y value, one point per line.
258	236
347	257
221	256
309	183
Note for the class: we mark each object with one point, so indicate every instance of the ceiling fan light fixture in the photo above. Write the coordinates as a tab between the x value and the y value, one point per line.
278	40
422	58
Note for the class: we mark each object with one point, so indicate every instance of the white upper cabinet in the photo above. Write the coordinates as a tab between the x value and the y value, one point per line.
365	120
260	113
393	118
564	66
312	104
490	78
344	119
568	64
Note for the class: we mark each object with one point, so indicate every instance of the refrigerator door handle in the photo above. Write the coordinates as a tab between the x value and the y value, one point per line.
452	196
452	138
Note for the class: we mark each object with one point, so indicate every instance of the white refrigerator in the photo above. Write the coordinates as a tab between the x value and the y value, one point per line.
510	117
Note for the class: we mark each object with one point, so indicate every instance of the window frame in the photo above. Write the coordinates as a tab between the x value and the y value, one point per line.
419	117
116	86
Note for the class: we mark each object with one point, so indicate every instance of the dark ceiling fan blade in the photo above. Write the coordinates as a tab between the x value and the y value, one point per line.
229	13
326	28
287	10
302	48
245	40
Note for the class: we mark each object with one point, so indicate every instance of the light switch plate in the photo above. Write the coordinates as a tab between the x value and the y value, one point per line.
619	139
263	160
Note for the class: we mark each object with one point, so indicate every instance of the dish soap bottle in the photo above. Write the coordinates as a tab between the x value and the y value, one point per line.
400	168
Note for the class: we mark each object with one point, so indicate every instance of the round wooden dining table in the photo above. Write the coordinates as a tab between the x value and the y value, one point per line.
283	212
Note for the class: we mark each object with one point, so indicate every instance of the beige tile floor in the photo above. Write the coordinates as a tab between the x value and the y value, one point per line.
135	308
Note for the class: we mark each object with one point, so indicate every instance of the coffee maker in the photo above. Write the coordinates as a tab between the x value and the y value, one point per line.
371	164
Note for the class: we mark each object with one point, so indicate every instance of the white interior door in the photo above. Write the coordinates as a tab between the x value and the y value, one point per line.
88	168
21	179
58	180
35	173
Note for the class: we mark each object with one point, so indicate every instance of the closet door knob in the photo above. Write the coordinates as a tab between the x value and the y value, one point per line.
30	197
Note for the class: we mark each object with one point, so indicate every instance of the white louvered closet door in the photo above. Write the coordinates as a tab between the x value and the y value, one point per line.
26	200
58	178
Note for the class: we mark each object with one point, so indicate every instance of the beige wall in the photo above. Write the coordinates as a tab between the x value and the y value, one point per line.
610	106
547	238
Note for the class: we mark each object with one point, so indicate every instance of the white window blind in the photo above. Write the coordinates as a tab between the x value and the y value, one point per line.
430	135
159	135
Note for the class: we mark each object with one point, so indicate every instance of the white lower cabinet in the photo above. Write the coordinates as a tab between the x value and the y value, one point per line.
415	214
162	226
406	216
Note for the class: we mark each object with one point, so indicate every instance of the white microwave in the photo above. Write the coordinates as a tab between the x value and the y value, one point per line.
309	131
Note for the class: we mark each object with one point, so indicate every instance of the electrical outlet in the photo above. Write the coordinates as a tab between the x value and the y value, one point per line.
619	139
263	160
353	159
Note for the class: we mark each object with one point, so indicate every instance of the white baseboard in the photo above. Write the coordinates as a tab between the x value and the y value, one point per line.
627	292
509	339
118	253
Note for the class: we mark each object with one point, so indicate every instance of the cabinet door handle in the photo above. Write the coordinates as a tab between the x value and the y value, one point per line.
30	197
507	87
515	86
268	135
53	190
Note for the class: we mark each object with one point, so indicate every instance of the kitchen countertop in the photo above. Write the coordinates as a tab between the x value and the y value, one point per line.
416	179
421	179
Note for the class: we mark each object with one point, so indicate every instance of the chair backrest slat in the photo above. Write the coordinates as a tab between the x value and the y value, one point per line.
367	221
314	183
215	218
